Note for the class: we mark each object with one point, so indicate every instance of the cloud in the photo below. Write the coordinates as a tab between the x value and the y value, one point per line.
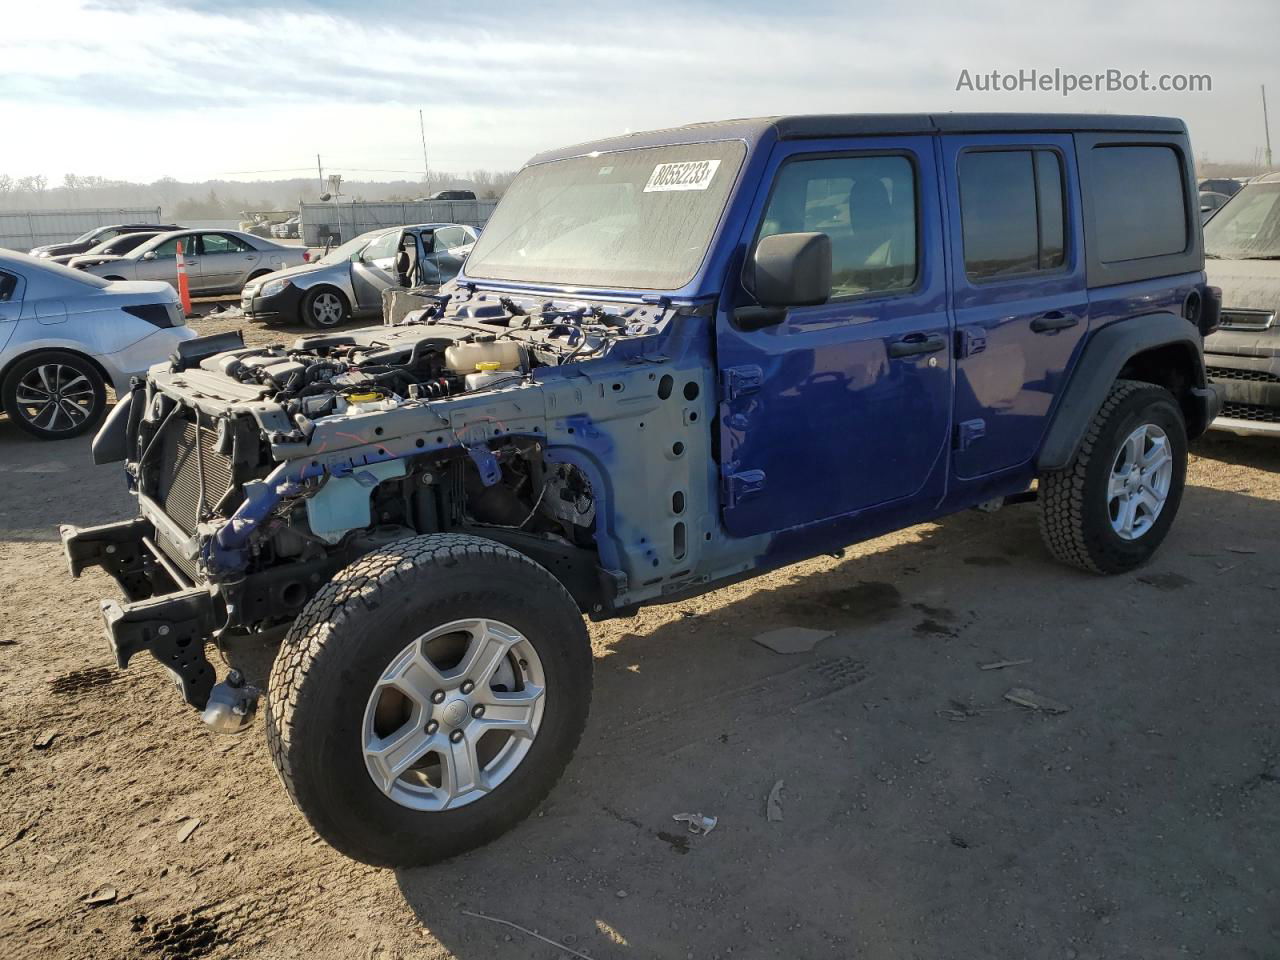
195	88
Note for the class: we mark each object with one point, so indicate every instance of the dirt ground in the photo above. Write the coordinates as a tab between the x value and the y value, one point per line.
923	815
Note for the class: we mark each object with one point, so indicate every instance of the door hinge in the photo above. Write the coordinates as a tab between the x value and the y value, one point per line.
740	485
970	340
740	381
969	432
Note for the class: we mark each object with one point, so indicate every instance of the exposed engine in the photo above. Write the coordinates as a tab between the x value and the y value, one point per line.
326	375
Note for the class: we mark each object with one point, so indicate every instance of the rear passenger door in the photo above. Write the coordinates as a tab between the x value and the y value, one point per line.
1018	290
226	261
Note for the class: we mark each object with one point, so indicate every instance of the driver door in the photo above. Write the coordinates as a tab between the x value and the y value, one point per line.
844	407
164	266
372	271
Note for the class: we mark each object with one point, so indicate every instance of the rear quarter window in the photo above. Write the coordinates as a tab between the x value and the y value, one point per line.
1139	201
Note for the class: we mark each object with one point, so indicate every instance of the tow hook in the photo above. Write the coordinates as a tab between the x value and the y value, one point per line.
232	704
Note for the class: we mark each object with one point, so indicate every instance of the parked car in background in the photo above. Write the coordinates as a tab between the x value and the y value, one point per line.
1242	250
348	281
288	229
95	236
120	243
449	195
1225	185
1211	203
65	336
218	261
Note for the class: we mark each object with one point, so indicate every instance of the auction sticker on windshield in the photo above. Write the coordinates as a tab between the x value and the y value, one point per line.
689	175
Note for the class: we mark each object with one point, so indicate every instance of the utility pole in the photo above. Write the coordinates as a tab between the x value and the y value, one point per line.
1266	125
320	172
426	168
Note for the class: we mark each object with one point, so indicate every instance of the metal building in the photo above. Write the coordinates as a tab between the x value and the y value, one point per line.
339	221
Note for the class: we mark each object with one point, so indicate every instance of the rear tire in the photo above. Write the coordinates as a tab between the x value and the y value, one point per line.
353	723
54	395
1110	508
324	308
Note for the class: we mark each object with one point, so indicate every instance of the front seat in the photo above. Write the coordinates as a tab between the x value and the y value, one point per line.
872	255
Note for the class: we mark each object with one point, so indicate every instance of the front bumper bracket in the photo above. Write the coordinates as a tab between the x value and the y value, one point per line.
173	628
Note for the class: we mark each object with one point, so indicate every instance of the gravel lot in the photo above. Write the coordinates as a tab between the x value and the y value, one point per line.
923	815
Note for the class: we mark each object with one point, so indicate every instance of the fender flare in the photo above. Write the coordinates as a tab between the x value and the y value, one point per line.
1104	357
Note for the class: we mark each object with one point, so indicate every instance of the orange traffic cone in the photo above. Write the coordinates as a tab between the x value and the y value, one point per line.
184	290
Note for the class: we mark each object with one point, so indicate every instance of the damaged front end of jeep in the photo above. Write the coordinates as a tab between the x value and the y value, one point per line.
260	473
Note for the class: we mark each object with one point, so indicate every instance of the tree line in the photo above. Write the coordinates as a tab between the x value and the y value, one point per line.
225	199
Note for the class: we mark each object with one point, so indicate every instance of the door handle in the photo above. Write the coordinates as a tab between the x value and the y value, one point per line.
1053	320
916	344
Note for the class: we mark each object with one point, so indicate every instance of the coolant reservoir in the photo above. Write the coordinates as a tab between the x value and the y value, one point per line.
465	358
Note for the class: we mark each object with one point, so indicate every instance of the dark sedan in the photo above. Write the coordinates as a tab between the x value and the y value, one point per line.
121	243
95	236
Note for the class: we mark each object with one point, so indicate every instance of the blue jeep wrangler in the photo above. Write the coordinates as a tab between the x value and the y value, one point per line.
674	359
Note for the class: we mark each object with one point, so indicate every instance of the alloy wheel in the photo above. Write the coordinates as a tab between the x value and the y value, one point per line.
55	397
1139	483
327	309
454	715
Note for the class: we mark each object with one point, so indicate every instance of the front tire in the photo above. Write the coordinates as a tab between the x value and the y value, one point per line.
1110	508
324	307
54	395
428	698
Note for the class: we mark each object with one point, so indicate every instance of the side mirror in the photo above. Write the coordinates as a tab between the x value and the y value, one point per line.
149	255
793	269
788	270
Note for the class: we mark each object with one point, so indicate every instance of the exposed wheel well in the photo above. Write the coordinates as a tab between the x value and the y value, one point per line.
1173	366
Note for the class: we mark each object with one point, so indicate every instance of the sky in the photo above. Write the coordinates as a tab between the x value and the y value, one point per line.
238	90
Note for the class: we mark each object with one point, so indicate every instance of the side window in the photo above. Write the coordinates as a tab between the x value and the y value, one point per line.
866	205
383	247
447	238
170	247
8	286
1141	208
1050	199
222	243
1011	212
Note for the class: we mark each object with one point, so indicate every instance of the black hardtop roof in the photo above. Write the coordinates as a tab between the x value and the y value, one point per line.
823	125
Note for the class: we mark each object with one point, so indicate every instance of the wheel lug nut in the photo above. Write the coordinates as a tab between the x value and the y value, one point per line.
432	726
467	686
455	737
477	710
438	697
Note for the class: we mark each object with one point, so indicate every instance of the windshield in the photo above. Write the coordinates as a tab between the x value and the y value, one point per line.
1247	227
350	248
97	233
640	219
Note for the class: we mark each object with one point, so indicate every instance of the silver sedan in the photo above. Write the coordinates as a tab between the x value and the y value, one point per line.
217	261
66	336
349	280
